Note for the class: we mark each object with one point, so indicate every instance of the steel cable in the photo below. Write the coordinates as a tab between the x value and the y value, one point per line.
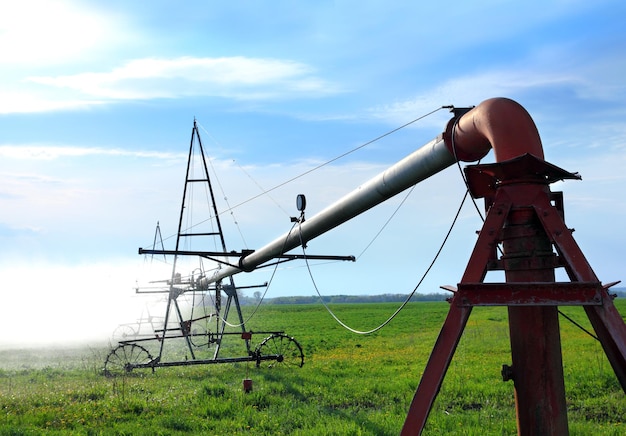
406	301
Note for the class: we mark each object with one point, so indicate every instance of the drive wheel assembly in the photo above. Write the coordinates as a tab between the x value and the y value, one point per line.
279	350
124	358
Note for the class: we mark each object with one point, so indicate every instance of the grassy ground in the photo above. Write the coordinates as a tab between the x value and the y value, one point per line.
349	385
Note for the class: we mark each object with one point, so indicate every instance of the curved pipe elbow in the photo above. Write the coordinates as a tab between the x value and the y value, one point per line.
498	123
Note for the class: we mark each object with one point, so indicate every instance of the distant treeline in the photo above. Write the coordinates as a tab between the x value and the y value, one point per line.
620	292
381	298
330	299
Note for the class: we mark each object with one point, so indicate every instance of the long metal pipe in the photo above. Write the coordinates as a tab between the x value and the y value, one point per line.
469	138
419	165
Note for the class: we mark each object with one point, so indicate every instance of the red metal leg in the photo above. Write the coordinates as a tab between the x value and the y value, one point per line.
605	319
436	368
610	328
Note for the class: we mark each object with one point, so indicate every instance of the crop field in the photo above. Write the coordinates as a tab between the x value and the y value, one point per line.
349	385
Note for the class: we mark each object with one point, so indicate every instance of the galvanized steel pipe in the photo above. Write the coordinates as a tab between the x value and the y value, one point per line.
421	164
497	123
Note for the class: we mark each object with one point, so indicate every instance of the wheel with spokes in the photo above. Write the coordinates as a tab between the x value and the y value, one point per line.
124	358
124	332
279	350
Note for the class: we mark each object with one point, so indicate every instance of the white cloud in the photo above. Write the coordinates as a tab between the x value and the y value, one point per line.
47	152
43	32
230	77
471	90
30	101
560	69
63	189
44	35
150	78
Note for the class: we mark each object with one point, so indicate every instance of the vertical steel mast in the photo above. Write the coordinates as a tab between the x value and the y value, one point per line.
184	234
200	341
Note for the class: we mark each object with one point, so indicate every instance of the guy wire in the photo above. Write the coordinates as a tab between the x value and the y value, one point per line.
334	159
406	301
384	226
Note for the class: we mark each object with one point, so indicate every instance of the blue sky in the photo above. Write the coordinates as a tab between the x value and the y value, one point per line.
97	101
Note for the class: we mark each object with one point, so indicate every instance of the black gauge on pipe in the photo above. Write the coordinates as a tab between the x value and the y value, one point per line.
301	202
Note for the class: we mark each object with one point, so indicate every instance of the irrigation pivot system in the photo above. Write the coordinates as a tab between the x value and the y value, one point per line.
198	327
524	235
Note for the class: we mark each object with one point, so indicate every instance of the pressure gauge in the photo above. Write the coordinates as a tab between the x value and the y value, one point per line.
301	202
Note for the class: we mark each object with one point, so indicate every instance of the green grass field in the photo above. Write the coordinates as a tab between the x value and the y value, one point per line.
350	384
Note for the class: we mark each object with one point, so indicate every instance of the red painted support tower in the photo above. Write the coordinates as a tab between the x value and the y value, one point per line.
524	235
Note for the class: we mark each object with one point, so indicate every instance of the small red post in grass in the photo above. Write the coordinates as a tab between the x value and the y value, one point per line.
247	385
